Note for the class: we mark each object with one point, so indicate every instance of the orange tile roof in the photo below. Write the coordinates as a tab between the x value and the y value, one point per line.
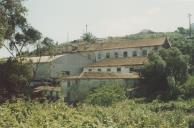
119	62
121	44
104	75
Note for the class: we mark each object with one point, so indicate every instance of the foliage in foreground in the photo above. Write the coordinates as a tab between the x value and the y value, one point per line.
129	113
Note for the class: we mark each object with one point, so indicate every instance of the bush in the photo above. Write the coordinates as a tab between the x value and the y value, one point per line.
106	95
187	89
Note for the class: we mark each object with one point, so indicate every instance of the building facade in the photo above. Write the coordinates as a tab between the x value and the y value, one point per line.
82	64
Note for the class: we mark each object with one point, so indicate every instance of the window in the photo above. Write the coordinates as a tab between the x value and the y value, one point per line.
144	53
99	56
90	70
125	54
116	55
99	70
108	70
132	69
107	55
134	53
118	69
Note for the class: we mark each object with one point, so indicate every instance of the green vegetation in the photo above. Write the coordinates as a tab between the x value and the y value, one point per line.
168	76
106	95
88	37
134	113
14	79
165	72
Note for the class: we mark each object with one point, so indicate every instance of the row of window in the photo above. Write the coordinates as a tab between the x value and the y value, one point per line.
131	69
125	54
108	70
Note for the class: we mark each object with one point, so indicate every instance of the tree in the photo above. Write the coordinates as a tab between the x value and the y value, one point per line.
3	27
13	78
155	73
177	64
165	71
88	37
12	16
186	46
182	31
15	36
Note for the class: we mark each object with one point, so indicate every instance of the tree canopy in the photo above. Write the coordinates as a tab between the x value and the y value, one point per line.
165	70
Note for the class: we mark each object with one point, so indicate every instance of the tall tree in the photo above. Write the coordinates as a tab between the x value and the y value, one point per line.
18	33
15	35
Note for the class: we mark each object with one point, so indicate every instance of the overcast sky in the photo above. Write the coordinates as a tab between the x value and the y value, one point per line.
65	20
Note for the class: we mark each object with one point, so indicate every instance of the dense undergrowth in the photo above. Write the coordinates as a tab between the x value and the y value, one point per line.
134	113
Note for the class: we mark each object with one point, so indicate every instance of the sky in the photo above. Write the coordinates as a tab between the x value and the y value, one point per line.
65	20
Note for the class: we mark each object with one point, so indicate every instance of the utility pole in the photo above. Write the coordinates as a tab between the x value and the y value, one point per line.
189	15
86	28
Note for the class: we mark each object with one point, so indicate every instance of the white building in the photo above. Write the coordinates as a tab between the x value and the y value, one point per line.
121	57
82	63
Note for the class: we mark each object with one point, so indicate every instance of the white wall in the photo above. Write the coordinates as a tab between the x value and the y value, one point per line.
43	70
71	62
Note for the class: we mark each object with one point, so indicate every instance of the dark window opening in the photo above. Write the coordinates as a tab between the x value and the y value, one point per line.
89	70
108	70
132	69
118	69
116	55
108	55
99	70
125	54
144	53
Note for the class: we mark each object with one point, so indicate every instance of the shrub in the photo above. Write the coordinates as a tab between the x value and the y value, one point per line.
187	88
106	95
